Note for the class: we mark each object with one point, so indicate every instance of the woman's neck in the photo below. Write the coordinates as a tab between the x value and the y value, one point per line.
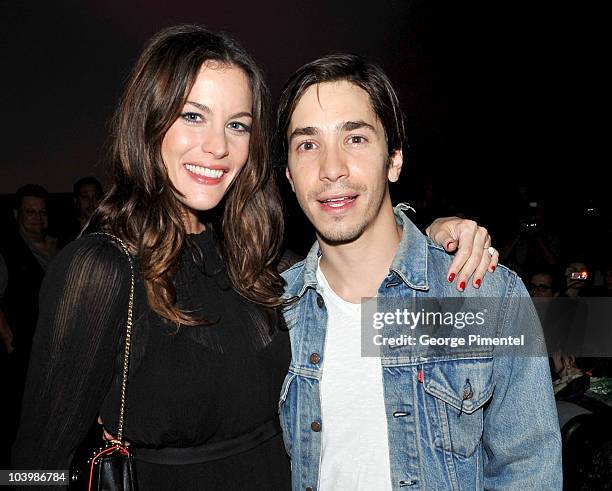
193	225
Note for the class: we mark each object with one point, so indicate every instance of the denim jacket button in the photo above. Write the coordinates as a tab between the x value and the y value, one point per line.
315	426
308	488
315	358
467	393
320	301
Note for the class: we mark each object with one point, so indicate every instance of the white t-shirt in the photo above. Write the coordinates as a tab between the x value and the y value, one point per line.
355	453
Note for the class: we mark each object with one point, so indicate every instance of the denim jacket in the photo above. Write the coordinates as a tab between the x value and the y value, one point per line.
499	432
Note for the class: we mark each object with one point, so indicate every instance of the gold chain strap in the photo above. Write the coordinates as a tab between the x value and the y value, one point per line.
128	337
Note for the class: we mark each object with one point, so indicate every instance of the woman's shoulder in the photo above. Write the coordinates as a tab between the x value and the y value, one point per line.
91	253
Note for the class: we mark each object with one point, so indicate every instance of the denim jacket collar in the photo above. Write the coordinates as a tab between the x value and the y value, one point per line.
410	262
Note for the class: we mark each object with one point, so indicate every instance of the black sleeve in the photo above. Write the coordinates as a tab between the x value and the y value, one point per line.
3	277
79	335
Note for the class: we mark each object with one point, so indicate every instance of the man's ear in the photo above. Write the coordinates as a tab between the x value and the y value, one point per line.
288	174
396	159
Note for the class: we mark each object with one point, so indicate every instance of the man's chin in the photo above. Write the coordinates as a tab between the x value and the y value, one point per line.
336	236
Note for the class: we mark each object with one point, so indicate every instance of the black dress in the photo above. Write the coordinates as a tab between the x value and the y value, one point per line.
187	386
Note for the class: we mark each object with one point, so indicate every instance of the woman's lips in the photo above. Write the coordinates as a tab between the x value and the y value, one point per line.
205	175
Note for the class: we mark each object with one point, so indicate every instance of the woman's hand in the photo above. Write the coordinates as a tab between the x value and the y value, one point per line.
106	435
471	244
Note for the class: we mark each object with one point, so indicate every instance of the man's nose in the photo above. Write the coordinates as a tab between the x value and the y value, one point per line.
333	165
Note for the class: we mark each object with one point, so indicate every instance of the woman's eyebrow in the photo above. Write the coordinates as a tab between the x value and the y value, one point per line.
243	114
208	110
201	107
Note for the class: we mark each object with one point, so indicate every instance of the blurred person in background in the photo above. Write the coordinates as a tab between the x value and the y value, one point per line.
6	335
27	253
6	347
604	289
577	280
542	284
534	244
86	195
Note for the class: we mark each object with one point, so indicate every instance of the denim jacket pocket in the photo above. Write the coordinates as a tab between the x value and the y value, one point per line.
283	411
459	389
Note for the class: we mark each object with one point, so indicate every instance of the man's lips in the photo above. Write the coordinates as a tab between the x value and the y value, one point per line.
323	197
337	202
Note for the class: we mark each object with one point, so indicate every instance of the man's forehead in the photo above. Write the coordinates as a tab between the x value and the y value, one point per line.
332	103
542	277
88	189
33	202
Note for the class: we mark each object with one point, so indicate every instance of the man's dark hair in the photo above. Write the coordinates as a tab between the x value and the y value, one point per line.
338	67
554	273
33	190
87	181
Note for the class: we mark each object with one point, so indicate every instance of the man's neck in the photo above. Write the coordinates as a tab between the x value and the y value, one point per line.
37	239
356	269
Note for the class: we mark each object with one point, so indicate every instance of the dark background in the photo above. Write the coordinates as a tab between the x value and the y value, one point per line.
498	96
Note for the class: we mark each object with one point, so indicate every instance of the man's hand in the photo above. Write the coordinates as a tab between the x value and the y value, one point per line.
470	243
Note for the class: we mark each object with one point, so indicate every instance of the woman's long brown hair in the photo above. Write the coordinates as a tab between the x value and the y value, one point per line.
142	207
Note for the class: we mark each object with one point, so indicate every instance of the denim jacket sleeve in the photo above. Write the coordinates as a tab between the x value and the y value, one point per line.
522	442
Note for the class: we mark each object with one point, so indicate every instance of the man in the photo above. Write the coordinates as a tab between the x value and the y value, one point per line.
27	254
6	347
6	335
86	194
542	284
458	421
577	281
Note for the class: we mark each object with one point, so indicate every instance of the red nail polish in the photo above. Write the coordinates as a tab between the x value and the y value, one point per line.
462	286
478	282
420	376
492	269
451	277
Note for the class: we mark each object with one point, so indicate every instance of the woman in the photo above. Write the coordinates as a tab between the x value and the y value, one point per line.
208	350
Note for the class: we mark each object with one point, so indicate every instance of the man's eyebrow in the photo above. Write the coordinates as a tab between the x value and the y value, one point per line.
344	126
306	131
207	110
354	125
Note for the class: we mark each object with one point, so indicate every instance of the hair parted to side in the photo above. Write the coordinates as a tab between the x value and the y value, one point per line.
334	68
142	207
